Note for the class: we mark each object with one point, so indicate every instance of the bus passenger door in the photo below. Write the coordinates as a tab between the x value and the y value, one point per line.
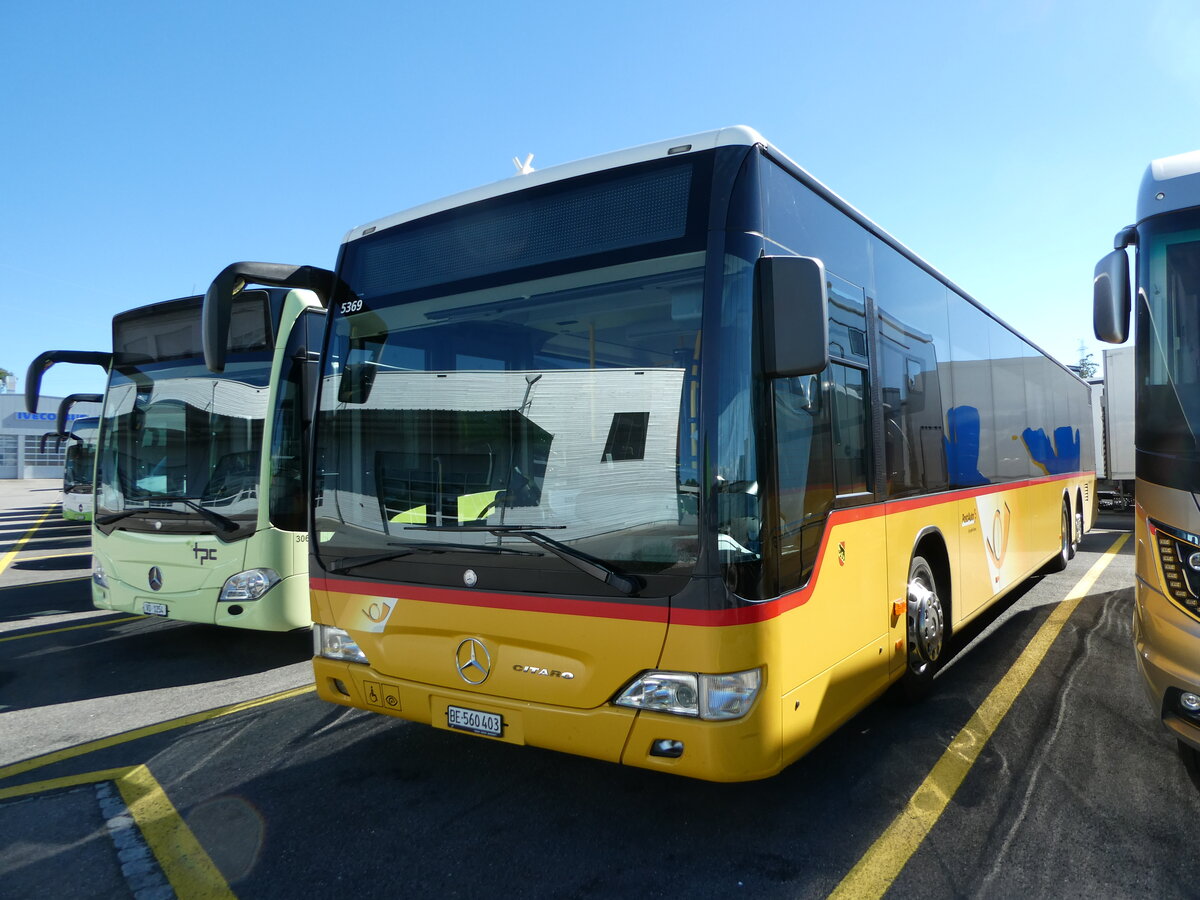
845	616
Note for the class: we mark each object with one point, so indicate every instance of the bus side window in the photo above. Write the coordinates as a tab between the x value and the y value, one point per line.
851	432
804	475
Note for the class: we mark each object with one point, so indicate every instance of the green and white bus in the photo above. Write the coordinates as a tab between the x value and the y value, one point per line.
79	457
79	462
199	491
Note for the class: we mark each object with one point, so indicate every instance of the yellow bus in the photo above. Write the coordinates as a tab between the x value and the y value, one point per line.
1166	621
669	458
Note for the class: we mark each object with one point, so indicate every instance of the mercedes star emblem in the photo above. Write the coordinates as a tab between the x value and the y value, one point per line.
155	578
473	661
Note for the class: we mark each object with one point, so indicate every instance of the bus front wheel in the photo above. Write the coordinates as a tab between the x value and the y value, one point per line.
928	629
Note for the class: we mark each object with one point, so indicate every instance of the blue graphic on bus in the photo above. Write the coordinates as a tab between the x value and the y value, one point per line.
1058	459
962	447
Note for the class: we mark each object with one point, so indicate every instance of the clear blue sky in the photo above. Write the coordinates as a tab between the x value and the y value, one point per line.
145	145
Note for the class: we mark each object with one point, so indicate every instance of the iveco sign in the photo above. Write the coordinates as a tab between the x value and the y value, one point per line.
46	417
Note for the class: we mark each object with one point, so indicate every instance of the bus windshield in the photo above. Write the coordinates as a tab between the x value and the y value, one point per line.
180	448
1168	399
80	457
150	458
560	408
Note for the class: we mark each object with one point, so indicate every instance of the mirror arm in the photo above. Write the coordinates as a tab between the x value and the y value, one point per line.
218	299
37	368
65	407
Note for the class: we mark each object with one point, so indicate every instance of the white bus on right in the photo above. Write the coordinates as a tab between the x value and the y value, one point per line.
1166	622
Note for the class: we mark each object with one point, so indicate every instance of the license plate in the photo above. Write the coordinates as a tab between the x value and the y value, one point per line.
475	721
153	609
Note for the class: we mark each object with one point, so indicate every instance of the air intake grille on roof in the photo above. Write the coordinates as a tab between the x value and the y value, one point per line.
525	231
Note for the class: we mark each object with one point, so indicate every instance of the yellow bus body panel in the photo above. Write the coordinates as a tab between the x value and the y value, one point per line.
824	651
564	660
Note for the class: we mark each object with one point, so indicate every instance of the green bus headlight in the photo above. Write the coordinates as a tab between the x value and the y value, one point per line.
249	585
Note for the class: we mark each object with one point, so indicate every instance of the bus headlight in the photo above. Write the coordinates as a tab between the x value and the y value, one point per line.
249	585
727	696
334	643
98	577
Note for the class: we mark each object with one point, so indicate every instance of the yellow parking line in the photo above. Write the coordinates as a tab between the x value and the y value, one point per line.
182	858
190	870
34	634
47	759
883	862
55	784
23	540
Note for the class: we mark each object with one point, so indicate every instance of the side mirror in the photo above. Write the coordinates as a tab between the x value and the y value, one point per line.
1110	298
64	408
37	368
793	309
355	383
217	311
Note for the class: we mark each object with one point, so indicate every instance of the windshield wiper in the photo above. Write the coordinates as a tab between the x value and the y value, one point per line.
346	563
598	569
494	529
214	518
583	562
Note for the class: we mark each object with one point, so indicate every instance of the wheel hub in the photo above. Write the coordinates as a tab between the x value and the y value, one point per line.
925	626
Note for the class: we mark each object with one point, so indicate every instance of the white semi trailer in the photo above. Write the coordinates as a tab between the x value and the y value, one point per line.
1115	483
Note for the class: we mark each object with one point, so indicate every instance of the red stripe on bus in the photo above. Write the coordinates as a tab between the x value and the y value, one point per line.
599	609
712	618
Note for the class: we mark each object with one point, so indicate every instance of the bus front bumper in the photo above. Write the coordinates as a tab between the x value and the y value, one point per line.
714	751
1167	644
285	607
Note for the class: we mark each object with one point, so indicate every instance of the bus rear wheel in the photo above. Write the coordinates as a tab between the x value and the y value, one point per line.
1059	562
928	630
1077	533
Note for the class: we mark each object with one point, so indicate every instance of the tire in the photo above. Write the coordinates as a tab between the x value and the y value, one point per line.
1064	551
1077	531
928	630
1190	757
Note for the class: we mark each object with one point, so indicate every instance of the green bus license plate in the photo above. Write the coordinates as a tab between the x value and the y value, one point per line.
153	609
475	721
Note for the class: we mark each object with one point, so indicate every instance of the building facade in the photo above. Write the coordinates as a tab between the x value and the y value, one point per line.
21	455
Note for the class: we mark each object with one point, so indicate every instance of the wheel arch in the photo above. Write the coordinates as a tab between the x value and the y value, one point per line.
930	543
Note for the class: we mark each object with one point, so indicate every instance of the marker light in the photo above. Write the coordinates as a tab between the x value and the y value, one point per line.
334	643
249	585
98	577
687	694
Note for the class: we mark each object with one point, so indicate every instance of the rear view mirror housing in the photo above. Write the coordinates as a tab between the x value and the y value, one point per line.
37	368
1110	298
217	311
793	308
